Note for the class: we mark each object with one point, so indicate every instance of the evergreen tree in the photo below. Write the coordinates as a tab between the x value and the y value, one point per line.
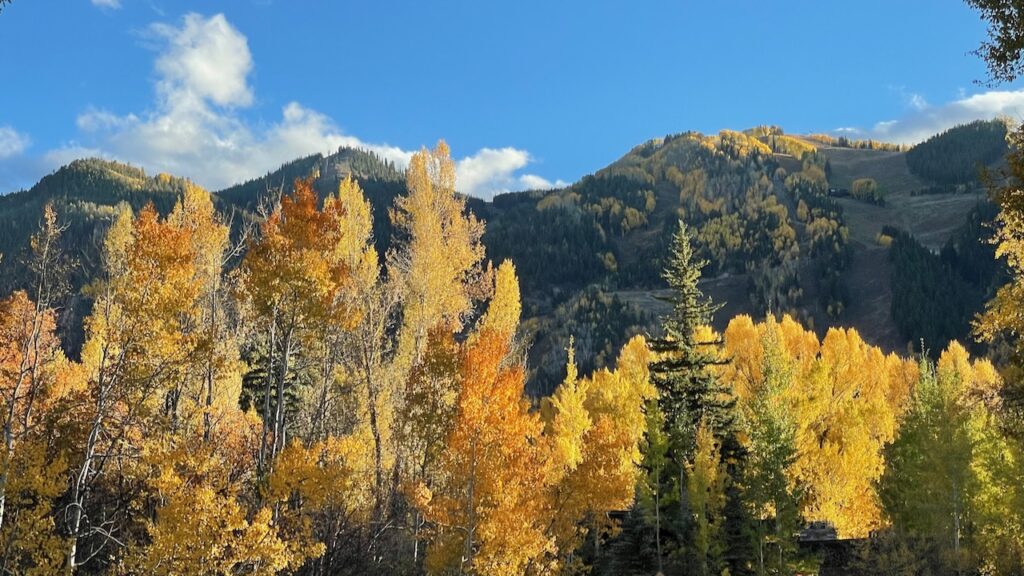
690	398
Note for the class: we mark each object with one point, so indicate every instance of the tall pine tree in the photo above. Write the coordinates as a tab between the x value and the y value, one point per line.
690	398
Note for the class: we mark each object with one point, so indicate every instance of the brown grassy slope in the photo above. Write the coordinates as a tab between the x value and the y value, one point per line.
930	218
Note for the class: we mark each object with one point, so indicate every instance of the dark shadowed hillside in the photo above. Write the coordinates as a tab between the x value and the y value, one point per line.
775	215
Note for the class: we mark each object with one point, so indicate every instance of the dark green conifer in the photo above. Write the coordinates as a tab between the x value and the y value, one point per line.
690	395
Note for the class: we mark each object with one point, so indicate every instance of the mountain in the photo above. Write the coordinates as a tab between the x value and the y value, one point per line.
790	224
361	165
378	177
84	194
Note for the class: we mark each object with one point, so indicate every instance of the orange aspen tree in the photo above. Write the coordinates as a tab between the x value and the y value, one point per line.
487	506
34	379
291	277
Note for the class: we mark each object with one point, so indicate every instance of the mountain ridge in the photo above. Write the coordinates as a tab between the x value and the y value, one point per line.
765	206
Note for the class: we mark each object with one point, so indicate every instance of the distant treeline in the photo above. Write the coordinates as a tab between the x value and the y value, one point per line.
844	142
956	156
935	296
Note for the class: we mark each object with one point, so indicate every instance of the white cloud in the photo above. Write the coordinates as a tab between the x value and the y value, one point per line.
494	171
12	142
109	4
926	120
490	169
205	59
534	182
16	168
194	128
96	120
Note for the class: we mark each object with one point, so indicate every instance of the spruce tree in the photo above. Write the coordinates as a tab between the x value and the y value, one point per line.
690	396
689	393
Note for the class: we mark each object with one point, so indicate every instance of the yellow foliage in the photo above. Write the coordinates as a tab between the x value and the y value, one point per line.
596	427
502	316
440	262
846	398
29	535
567	418
705	487
488	516
201	525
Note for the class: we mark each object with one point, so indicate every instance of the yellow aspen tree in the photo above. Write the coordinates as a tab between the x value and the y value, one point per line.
705	486
566	417
762	371
993	515
202	524
503	311
438	269
1002	318
134	348
845	399
596	427
161	370
440	253
367	347
211	383
566	423
850	404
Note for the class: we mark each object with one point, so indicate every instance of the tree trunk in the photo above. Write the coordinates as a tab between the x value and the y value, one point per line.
760	550
779	535
378	465
657	517
78	488
956	525
279	435
269	382
207	423
8	452
467	552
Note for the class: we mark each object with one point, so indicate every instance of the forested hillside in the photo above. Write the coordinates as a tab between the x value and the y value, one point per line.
83	194
762	204
957	156
315	406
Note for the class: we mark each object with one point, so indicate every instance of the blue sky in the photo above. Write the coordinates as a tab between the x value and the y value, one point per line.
526	93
